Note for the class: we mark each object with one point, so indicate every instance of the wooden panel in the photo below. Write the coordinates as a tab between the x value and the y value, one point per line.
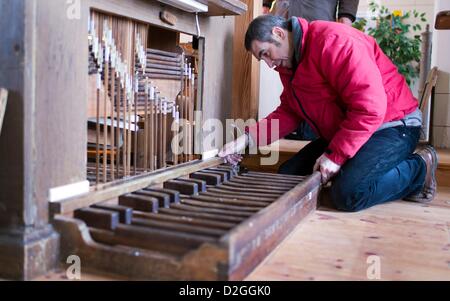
3	101
148	12
225	7
212	238
245	100
28	245
61	91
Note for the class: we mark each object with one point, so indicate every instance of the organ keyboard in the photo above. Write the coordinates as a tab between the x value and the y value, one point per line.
201	220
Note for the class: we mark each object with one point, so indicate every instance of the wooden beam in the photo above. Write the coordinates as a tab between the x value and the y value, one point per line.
3	101
245	95
224	7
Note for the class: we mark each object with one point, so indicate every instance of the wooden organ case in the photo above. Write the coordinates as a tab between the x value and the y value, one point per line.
110	86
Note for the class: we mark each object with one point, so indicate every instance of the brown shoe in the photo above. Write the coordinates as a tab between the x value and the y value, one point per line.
426	195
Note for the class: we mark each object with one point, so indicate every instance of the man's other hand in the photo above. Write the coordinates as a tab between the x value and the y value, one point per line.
327	168
231	151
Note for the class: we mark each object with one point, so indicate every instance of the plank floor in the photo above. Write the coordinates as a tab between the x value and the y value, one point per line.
412	241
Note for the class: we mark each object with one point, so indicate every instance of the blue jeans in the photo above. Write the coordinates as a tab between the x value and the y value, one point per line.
383	170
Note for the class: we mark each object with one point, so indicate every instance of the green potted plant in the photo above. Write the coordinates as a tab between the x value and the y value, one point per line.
393	35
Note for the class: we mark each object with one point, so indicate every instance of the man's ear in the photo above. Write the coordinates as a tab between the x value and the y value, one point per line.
278	33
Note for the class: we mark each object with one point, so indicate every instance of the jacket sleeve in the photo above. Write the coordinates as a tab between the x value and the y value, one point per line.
348	8
276	125
349	66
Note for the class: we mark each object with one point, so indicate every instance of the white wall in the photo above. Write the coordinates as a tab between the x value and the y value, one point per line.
441	59
269	90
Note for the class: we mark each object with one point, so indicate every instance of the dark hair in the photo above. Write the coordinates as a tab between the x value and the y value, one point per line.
267	3
260	29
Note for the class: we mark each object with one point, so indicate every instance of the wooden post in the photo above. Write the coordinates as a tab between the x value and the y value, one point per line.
245	96
3	100
49	137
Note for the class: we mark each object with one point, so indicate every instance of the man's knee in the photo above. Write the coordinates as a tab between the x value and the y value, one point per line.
347	197
287	168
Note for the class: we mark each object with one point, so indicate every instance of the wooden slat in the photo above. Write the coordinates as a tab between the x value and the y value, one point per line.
178	227
163	53
274	176
182	186
238	194
246	191
234	170
220	195
211	210
208	204
253	203
268	187
209	178
186	220
139	202
125	213
200	183
223	174
204	215
163	198
264	182
174	195
163	58
166	241
98	218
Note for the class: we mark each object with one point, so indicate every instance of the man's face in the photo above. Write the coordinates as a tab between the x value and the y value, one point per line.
274	54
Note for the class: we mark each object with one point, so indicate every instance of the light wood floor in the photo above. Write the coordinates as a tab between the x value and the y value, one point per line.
412	241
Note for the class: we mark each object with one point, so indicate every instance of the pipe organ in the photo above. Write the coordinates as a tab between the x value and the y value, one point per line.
139	99
98	149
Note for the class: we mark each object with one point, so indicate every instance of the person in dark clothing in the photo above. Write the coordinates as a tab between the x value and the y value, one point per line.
342	11
267	5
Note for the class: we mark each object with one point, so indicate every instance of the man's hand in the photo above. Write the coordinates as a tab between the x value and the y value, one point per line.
327	168
345	20
230	151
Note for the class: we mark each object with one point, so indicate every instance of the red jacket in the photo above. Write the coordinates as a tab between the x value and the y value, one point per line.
345	88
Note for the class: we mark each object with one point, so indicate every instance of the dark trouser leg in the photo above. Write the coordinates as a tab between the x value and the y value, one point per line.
384	169
302	163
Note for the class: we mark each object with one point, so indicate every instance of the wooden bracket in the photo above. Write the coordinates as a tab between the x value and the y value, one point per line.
168	17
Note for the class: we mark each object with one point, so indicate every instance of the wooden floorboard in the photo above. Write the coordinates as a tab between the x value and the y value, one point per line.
412	242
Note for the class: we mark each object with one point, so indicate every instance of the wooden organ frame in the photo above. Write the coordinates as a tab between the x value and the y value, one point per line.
43	160
43	149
